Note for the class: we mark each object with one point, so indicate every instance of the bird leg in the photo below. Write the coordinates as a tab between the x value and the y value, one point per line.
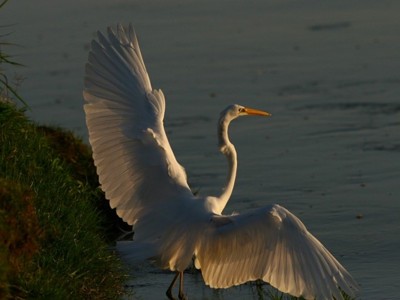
181	295
169	291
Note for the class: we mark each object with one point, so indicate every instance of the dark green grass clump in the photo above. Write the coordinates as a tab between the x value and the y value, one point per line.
52	241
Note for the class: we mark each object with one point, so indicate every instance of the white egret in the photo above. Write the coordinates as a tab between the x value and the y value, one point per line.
144	182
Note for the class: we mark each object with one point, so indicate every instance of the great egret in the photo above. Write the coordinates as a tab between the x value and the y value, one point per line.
144	182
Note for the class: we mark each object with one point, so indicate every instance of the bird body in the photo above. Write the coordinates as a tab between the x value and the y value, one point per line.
142	179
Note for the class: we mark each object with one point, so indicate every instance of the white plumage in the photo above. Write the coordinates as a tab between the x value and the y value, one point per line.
144	182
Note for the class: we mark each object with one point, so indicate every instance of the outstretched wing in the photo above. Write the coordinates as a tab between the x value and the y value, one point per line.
136	166
273	245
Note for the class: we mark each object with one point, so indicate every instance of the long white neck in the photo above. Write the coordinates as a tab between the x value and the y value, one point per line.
227	148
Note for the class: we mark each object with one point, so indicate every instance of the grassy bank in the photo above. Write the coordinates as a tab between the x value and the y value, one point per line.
52	234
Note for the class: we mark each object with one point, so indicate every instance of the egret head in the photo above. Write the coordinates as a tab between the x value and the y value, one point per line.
235	110
230	113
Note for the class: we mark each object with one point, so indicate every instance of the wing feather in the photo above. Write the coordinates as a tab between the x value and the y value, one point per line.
135	163
273	245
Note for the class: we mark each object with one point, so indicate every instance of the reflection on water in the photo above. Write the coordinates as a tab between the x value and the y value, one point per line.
151	283
327	71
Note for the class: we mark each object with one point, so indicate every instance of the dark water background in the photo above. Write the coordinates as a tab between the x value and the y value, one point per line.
327	70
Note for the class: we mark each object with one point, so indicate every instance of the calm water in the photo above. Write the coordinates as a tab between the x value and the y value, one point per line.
328	71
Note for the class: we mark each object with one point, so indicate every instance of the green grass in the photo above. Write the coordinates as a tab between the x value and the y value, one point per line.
52	234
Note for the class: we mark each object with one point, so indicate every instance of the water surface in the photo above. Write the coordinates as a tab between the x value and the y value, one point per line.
328	71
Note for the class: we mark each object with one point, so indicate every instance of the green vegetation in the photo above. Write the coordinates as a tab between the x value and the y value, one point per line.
52	241
53	238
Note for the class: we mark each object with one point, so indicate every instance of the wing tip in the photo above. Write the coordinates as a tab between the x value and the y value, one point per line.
122	31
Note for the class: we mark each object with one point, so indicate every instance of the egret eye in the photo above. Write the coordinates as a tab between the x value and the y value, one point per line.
241	109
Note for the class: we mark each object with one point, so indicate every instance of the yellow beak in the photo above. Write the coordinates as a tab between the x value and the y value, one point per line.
256	112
